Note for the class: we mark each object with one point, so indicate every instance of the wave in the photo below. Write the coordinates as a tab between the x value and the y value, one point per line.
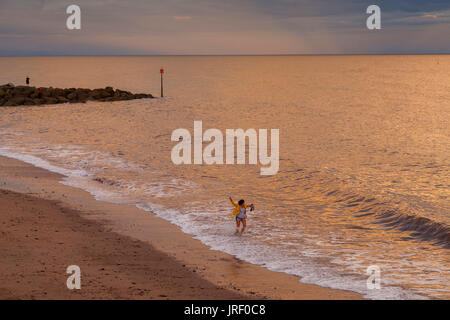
391	218
420	227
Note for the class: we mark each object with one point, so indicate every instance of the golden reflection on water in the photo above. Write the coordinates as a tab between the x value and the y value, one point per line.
364	149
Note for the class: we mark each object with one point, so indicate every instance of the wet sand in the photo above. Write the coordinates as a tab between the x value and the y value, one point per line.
40	238
123	252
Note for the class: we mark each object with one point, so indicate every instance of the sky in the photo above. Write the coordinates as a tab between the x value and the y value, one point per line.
180	27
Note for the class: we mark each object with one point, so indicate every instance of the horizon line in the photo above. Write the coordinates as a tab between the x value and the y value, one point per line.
226	55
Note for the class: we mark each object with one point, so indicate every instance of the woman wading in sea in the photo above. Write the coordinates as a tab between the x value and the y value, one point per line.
240	212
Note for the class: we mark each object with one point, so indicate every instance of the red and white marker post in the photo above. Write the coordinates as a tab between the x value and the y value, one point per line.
161	71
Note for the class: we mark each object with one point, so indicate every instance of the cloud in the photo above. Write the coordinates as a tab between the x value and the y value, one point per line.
222	27
12	36
421	18
182	18
430	16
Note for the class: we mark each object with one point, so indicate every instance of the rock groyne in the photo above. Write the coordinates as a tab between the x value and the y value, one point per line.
11	95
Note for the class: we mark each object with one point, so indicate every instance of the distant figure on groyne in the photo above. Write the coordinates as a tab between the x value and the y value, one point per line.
27	81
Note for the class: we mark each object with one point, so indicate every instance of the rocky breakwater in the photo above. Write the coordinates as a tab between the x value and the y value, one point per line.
11	95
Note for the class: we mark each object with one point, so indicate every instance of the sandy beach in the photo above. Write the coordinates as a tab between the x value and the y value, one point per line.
46	226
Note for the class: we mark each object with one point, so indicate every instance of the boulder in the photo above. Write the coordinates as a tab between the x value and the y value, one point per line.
62	99
46	92
10	103
50	100
142	96
110	91
17	101
28	102
82	94
100	94
37	101
58	93
23	90
72	96
68	91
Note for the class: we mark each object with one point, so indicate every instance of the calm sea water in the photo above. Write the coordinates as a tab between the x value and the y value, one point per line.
364	173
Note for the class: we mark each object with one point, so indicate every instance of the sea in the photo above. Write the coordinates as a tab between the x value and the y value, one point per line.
364	157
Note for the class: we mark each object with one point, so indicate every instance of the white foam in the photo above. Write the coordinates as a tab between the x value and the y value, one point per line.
217	233
40	163
270	257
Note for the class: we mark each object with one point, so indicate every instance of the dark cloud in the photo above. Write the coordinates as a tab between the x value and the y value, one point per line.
308	8
222	26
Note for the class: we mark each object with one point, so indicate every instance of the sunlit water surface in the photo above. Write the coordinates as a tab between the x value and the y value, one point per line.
364	173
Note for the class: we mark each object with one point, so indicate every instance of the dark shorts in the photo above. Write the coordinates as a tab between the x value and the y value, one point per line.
240	219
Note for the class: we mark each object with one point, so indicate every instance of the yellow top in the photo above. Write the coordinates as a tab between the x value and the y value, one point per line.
237	207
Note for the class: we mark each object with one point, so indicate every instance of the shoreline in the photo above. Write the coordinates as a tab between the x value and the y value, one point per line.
131	243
